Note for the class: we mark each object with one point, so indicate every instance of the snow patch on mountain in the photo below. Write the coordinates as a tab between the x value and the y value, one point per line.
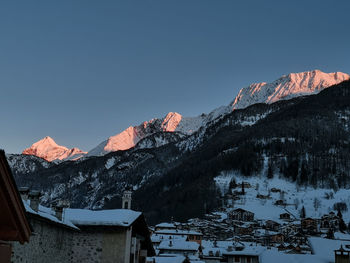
49	150
287	87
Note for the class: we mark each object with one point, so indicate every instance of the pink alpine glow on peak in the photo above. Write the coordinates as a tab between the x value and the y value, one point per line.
171	121
287	87
49	150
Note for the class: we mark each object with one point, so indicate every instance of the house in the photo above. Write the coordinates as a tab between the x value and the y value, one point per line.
285	216
179	247
277	238
249	254
309	224
242	229
191	235
272	225
165	226
240	214
329	221
158	238
280	202
52	238
230	251
341	255
81	235
15	228
118	235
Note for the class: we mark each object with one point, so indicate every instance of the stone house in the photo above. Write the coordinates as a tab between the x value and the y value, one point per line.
80	235
119	235
52	239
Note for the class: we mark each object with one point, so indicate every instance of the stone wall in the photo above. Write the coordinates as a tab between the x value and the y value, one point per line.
51	243
95	244
48	243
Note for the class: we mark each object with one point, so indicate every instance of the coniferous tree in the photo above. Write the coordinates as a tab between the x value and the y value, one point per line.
302	212
270	171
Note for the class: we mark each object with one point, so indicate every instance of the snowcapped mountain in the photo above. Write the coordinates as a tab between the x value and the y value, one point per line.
287	87
172	122
49	150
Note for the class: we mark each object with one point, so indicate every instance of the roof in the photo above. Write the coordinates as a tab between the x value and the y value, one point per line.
324	248
159	238
178	232
112	217
166	225
241	210
13	221
47	214
178	245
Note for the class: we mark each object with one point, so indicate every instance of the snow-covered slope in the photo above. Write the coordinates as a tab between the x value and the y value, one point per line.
287	87
49	150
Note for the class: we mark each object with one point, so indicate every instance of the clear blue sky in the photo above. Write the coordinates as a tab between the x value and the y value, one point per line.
81	71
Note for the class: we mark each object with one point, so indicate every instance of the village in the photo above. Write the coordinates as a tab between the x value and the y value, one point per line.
34	233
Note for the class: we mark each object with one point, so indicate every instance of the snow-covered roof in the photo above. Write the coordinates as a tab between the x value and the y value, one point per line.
113	217
48	214
324	248
173	259
223	248
159	238
178	245
178	232
275	256
166	225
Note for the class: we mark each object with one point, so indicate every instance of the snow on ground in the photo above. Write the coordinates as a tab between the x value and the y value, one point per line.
295	197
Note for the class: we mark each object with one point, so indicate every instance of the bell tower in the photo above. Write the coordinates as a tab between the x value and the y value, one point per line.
126	199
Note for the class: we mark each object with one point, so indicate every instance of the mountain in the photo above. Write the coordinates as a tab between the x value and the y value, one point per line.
49	150
173	122
304	140
287	87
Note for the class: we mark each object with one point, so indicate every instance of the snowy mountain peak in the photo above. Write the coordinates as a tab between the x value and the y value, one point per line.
287	87
171	121
49	150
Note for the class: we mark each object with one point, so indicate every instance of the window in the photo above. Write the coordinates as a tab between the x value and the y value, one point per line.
248	260
237	259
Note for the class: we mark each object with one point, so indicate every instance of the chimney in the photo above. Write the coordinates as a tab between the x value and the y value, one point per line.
58	211
24	191
34	200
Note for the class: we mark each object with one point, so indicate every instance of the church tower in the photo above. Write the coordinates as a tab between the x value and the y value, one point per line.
126	199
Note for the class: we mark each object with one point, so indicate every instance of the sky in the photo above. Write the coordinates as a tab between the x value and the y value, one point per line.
81	71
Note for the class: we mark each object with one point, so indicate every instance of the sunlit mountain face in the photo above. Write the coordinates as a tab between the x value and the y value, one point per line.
286	87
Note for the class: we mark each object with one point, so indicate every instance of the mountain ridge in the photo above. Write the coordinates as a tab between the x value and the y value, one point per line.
286	87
